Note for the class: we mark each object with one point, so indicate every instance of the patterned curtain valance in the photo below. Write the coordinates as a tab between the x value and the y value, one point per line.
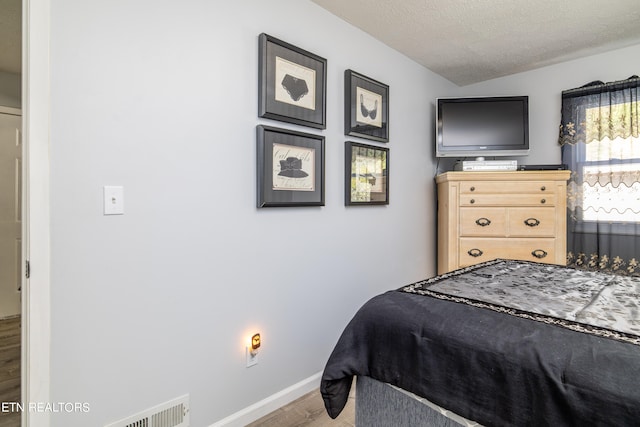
603	199
614	178
599	111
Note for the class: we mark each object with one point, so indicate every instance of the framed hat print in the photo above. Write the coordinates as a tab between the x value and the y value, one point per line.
290	168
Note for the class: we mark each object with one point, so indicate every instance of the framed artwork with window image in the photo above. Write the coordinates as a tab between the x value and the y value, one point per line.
366	174
366	107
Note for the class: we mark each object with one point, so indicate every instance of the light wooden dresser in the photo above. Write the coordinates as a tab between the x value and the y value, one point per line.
512	215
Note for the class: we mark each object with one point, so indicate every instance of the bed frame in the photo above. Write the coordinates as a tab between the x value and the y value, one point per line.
379	404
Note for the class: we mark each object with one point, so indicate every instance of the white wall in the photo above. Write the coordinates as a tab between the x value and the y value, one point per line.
544	87
161	97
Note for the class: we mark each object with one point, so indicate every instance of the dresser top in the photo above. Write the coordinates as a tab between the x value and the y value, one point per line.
554	175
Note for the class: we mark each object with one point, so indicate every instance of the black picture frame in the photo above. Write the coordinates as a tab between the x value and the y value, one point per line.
290	168
366	174
366	107
292	84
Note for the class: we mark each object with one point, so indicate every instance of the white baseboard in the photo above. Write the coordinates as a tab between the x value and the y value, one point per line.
271	403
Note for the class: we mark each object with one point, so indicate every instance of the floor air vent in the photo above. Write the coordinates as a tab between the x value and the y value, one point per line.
174	413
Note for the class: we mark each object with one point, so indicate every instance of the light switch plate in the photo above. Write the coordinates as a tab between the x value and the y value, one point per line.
113	200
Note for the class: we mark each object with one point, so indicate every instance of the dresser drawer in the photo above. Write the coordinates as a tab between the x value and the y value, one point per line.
481	221
532	222
507	222
507	187
508	199
476	250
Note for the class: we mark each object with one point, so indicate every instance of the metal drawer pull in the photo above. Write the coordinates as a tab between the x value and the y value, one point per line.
475	252
483	222
473	201
543	188
539	253
532	222
543	201
473	189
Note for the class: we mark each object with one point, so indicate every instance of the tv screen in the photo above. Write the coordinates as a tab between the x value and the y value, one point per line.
482	126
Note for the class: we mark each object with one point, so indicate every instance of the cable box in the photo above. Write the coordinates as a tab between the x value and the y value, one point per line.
486	165
558	167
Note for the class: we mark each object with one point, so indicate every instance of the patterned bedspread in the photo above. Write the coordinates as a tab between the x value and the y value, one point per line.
504	343
592	302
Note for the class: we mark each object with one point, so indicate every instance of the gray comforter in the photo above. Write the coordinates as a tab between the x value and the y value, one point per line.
504	343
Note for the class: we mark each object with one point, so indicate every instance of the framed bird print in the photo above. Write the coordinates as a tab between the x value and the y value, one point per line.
366	107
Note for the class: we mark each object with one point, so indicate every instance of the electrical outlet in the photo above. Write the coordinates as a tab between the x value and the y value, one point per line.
252	358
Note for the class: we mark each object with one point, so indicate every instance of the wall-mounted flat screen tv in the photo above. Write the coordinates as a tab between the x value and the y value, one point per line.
482	126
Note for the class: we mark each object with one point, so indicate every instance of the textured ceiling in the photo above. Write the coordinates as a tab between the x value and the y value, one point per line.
465	41
469	41
10	36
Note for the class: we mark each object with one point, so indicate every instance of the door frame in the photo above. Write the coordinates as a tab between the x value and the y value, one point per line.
36	301
17	112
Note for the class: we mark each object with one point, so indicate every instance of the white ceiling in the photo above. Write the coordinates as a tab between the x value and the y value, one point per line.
465	41
469	41
10	36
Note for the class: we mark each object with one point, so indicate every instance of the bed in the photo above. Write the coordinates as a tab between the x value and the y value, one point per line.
502	343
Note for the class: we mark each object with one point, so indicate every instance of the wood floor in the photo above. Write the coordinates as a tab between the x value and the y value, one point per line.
309	411
10	369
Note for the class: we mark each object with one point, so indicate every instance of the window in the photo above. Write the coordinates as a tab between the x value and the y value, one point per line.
611	168
600	140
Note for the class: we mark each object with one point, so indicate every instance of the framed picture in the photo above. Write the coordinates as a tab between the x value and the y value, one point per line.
366	174
290	168
292	84
366	107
